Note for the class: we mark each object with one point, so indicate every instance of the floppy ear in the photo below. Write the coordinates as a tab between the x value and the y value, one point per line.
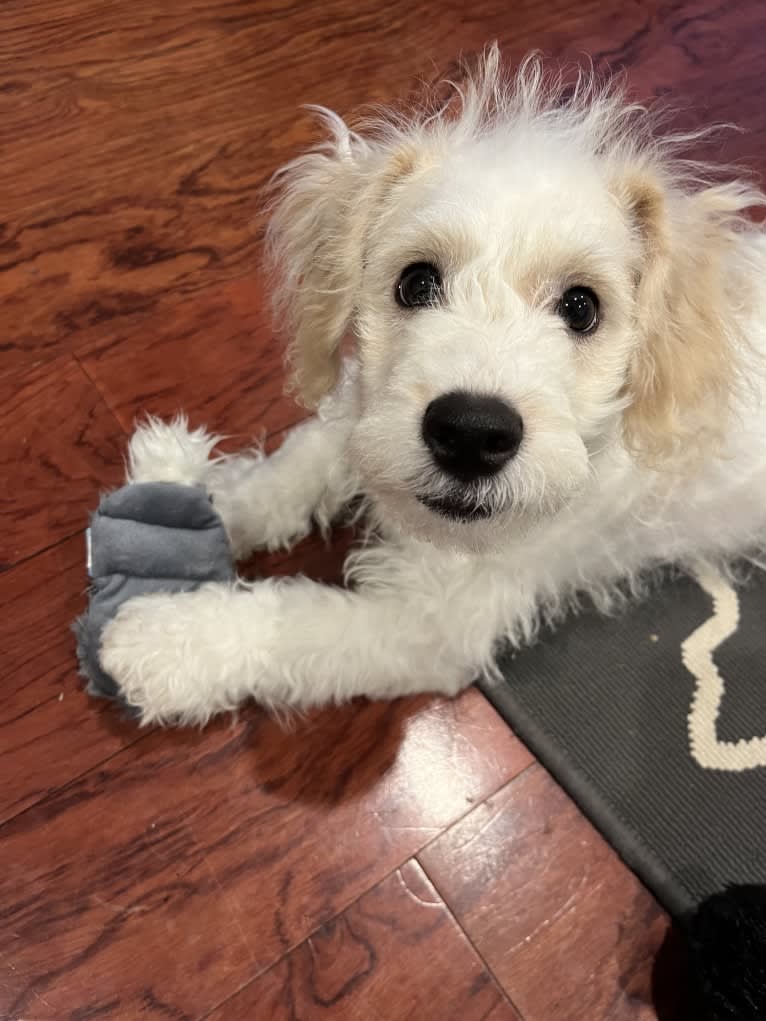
315	241
684	370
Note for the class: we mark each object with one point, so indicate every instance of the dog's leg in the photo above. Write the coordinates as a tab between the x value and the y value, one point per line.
273	502
296	644
265	502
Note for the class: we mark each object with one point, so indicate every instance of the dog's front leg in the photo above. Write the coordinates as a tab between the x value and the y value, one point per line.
264	502
297	644
273	502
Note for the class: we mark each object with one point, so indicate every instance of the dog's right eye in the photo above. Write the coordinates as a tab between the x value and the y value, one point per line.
578	307
419	285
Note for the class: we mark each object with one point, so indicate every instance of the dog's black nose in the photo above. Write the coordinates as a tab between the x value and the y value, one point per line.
470	435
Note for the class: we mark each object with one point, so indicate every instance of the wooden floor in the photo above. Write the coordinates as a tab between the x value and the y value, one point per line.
381	861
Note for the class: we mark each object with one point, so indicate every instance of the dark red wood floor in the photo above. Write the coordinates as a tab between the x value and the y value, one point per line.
393	861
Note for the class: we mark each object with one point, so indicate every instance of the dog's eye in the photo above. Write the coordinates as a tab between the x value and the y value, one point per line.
419	285
578	307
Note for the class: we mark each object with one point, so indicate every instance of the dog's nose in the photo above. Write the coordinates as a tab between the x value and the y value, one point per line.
470	435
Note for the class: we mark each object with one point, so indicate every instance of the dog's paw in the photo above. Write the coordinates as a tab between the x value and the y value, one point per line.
169	452
182	658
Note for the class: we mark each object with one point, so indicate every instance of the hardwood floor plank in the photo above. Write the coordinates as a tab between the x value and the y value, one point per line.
395	953
201	858
213	357
313	557
59	448
540	893
50	732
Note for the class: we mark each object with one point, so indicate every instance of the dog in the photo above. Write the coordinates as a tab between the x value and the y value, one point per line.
554	387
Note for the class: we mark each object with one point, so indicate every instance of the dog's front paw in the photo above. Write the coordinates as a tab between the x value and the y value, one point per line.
185	657
169	452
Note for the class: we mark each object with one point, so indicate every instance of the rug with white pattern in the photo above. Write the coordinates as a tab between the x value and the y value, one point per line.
655	722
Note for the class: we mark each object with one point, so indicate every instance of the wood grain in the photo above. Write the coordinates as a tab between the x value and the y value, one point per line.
59	446
395	953
540	893
50	732
212	357
190	862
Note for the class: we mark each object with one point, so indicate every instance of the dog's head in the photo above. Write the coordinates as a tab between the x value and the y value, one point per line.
529	279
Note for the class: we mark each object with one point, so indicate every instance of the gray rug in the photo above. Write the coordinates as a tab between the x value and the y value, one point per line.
655	722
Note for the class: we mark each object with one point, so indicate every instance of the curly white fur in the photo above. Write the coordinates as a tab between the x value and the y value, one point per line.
644	443
160	452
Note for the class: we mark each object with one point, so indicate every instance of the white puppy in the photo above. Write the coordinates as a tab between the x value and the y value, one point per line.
558	330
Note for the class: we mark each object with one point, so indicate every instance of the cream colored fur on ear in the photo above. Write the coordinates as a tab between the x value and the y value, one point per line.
325	208
314	241
685	373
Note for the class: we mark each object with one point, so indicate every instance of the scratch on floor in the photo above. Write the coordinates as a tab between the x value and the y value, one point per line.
233	906
119	909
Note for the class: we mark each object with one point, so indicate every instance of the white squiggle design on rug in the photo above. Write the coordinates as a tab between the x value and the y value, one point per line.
697	653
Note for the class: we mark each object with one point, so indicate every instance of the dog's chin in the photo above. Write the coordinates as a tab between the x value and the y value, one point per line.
445	522
454	509
459	518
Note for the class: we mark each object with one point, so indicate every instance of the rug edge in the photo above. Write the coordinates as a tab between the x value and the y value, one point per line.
641	859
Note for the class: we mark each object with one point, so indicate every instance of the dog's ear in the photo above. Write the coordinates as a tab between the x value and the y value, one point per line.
685	367
321	220
314	241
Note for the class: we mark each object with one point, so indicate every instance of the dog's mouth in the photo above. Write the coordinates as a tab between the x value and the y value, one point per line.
455	509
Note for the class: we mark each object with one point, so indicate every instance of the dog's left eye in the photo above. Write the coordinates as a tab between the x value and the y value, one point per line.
419	285
578	307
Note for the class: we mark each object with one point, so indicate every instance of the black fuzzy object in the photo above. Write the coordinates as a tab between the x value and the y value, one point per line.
727	956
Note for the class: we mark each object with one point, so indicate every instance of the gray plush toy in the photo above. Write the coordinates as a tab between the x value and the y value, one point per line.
146	537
